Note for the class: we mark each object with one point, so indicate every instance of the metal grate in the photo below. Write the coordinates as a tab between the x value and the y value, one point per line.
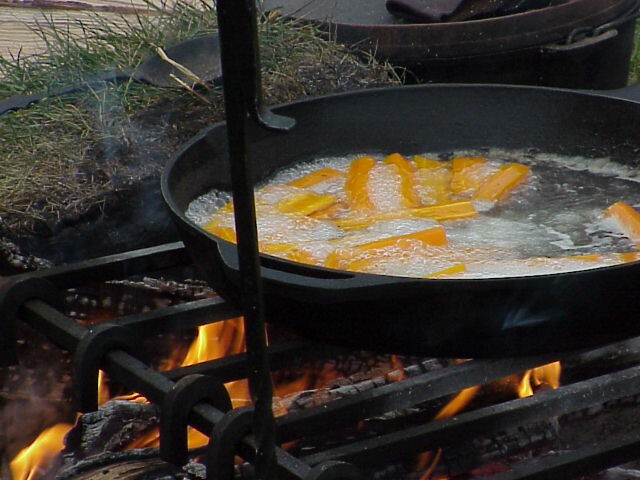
195	395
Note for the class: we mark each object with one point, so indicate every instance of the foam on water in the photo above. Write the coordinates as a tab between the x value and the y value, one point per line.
557	212
202	208
276	227
384	187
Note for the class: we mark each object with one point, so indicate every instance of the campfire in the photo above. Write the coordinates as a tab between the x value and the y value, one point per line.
399	416
156	376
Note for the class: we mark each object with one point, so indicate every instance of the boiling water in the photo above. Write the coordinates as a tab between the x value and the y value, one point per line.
545	225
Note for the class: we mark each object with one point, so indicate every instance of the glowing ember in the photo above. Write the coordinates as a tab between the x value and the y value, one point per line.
36	458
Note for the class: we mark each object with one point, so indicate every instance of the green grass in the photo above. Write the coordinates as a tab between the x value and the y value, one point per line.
635	57
62	156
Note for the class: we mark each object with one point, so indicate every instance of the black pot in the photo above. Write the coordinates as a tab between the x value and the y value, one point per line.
577	44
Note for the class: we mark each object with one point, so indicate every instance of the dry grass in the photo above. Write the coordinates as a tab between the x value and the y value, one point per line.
61	156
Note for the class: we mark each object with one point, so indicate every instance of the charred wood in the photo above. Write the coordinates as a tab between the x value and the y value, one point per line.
111	428
131	465
127	297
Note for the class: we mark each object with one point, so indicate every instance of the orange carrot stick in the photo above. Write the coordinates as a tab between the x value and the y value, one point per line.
431	236
628	218
446	211
315	177
306	203
466	174
452	270
356	183
502	182
441	212
406	170
225	233
424	162
434	183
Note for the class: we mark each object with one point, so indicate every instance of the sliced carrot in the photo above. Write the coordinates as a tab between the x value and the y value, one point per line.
357	182
407	184
275	247
341	257
424	162
502	182
586	257
354	223
226	208
452	270
431	236
306	203
330	212
628	218
400	161
225	233
441	212
467	174
301	256
315	177
446	211
629	256
434	184
361	265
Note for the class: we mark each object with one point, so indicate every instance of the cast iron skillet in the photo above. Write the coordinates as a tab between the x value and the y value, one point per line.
444	317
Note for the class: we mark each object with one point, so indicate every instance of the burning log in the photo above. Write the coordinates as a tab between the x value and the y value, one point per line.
113	467
103	443
116	424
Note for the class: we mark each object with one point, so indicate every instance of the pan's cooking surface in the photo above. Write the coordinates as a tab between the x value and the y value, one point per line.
557	212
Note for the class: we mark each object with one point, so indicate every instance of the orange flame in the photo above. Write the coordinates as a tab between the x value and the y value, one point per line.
36	458
103	388
457	403
213	341
428	460
548	374
216	340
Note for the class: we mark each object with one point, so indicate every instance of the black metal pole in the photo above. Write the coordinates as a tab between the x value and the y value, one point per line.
237	24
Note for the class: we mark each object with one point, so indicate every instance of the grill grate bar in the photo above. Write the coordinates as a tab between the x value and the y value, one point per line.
125	367
503	416
138	376
130	371
577	462
121	265
179	317
234	367
410	392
